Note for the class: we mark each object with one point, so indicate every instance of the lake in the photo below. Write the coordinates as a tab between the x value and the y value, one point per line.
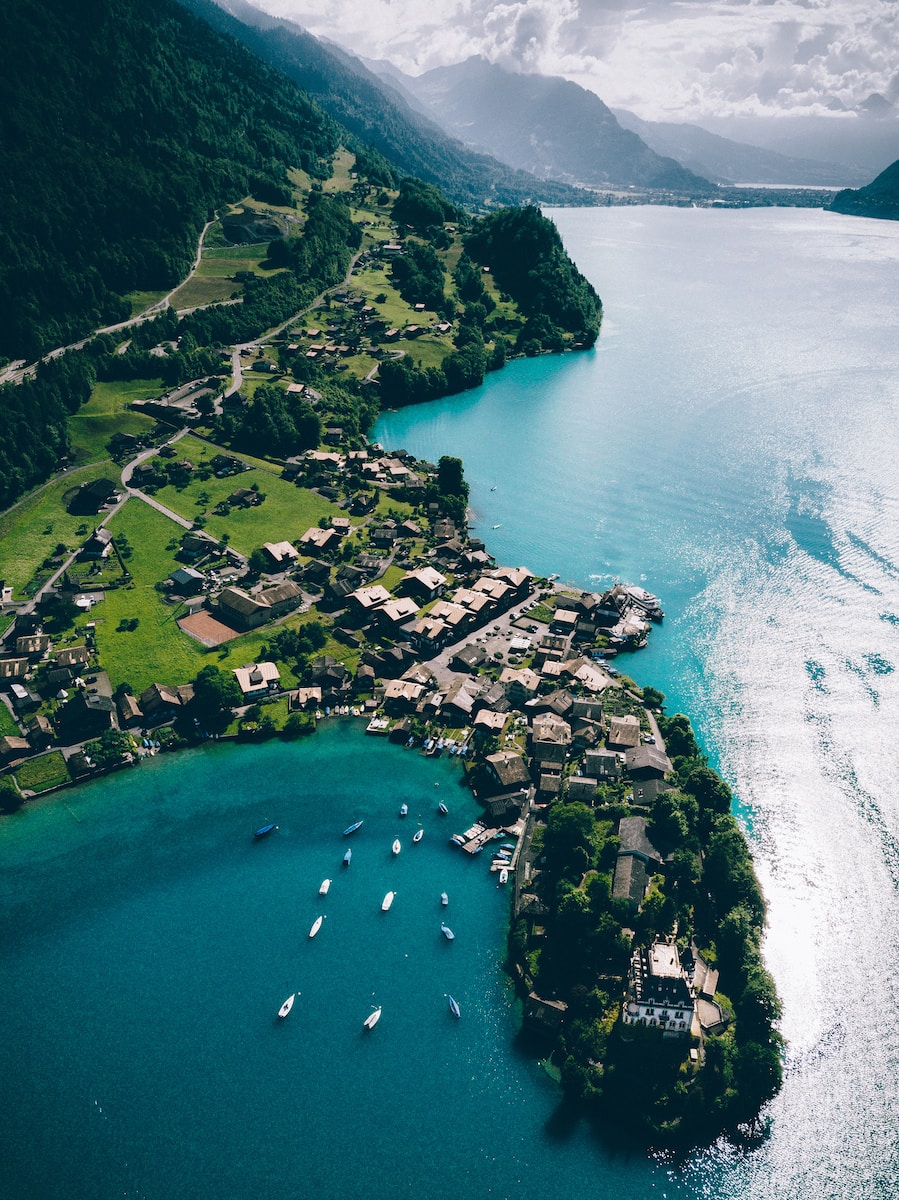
732	443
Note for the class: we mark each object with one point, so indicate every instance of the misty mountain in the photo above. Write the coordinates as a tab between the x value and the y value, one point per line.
727	161
880	198
546	125
377	114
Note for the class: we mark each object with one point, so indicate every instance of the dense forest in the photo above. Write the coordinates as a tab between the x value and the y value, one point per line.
122	127
880	198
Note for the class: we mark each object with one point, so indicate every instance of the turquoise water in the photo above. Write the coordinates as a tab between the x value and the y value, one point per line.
732	443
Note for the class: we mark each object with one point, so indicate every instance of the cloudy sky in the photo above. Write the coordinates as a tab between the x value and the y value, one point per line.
665	59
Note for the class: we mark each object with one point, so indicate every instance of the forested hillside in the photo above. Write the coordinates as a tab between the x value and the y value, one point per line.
879	199
122	126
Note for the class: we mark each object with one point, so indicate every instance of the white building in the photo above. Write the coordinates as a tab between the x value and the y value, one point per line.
659	993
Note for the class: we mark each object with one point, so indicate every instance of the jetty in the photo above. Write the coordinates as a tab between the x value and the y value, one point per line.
478	836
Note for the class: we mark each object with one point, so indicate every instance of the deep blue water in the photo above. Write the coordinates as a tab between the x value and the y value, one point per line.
732	443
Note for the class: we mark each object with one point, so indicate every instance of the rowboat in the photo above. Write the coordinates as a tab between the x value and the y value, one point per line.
447	932
454	1007
265	830
352	828
347	857
418	835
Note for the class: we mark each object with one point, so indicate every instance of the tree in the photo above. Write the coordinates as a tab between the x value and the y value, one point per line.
109	748
216	692
570	839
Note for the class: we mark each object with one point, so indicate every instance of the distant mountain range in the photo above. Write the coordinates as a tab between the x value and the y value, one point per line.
728	161
545	125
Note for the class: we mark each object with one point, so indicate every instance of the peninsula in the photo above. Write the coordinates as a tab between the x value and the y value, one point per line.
201	541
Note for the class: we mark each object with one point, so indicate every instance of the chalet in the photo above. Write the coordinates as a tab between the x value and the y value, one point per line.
429	635
257	679
401	694
624	733
305	698
457	619
243	498
647	791
242	610
425	583
394	613
498	590
23	699
316	571
366	599
98	546
564	621
13	747
35	645
490	721
383	534
319	541
604	764
72	656
282	554
508	771
587	707
546	1015
85	716
520	684
160	703
195	544
519	579
188	581
129	710
659	994
582	788
469	658
481	606
550	740
559	702
40	731
282	598
342	525
647	762
91	497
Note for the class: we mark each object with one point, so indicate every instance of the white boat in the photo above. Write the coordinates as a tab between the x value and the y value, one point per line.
316	926
454	1006
442	809
325	887
504	875
444	899
416	837
287	1005
447	932
404	809
396	847
387	901
372	1019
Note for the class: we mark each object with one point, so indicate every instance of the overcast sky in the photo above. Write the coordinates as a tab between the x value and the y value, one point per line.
664	59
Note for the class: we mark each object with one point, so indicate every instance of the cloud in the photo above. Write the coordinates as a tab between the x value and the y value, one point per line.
666	59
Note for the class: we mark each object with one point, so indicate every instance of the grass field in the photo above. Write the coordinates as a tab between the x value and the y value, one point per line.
107	413
8	726
30	531
285	514
141	301
340	180
41	774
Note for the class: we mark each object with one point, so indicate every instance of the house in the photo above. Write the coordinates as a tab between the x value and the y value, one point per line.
459	701
160	703
545	1015
130	712
454	616
195	544
394	613
316	571
564	621
91	497
587	707
491	721
257	679
647	762
13	747
22	698
188	581
304	698
659	994
604	764
429	635
582	788
624	733
401	694
480	605
508	771
243	498
40	731
98	545
367	599
469	658
425	583
282	598
319	541
85	716
550	739
242	610
342	525
630	879
282	554
520	684
35	645
519	579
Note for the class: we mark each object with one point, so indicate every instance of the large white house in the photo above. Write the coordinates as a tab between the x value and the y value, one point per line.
659	993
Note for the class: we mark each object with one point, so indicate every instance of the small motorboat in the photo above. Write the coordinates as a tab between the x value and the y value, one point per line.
447	932
387	901
444	899
442	809
316	926
352	828
325	887
287	1005
404	810
347	858
265	830
454	1007
418	835
507	846
396	847
504	875
372	1019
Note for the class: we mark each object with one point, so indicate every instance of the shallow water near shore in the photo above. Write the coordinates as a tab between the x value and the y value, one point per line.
731	443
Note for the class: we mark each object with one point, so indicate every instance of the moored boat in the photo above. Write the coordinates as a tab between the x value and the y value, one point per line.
396	847
316	926
352	828
404	809
418	835
447	932
287	1005
504	875
372	1019
265	830
454	1007
442	809
444	899
347	857
325	887
387	901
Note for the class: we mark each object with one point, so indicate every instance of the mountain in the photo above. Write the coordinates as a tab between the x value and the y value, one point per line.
546	125
727	161
123	125
377	114
879	198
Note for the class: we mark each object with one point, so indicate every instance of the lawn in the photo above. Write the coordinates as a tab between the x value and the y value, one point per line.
41	774
285	514
155	650
107	412
141	301
343	162
8	726
374	282
31	530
